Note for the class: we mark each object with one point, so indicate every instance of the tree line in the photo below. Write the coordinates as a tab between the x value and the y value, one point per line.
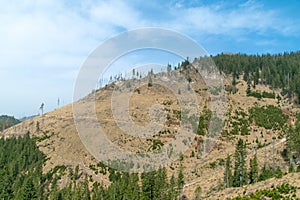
244	174
21	177
278	70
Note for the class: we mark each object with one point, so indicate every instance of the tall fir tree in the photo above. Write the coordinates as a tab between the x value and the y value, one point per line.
148	185
172	191
228	173
29	191
253	174
240	177
161	184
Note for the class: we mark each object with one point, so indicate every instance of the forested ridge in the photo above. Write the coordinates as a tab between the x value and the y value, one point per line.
278	70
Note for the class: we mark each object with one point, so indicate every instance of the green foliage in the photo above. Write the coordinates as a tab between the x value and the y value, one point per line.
293	140
167	102
228	179
260	95
103	168
284	191
253	174
240	176
157	144
185	63
180	180
268	95
21	177
267	173
197	193
278	70
269	117
177	114
231	88
212	165
20	168
29	190
155	185
239	122
204	120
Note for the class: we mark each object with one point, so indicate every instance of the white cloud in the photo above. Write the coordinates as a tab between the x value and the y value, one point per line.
117	13
218	19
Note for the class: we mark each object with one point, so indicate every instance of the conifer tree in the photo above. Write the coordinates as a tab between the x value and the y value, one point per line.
29	191
161	184
180	180
148	185
253	174
172	191
228	173
86	191
240	172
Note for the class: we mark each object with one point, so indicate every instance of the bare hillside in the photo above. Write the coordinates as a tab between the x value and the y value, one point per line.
58	138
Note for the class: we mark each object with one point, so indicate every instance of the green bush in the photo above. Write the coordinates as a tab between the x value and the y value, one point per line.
269	117
284	191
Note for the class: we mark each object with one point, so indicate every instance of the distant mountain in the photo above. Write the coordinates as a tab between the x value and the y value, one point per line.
27	117
7	121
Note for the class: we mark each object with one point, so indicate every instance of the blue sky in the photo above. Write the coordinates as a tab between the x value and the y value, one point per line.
44	43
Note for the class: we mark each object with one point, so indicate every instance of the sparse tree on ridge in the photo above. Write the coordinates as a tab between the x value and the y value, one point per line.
42	108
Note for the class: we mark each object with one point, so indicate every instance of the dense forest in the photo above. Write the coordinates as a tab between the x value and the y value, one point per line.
278	71
21	165
21	178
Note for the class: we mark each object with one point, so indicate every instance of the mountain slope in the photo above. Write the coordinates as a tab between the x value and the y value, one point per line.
57	136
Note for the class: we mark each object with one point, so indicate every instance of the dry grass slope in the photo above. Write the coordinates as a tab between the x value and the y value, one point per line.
59	139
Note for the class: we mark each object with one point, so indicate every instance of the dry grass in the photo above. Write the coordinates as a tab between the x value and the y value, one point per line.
64	147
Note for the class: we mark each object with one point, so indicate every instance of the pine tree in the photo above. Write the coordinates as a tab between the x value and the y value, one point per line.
253	175
29	191
256	77
293	139
42	108
161	184
149	79
97	191
228	173
133	187
240	171
180	180
86	191
172	191
148	185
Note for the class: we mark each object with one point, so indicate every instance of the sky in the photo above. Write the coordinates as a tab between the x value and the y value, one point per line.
43	43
